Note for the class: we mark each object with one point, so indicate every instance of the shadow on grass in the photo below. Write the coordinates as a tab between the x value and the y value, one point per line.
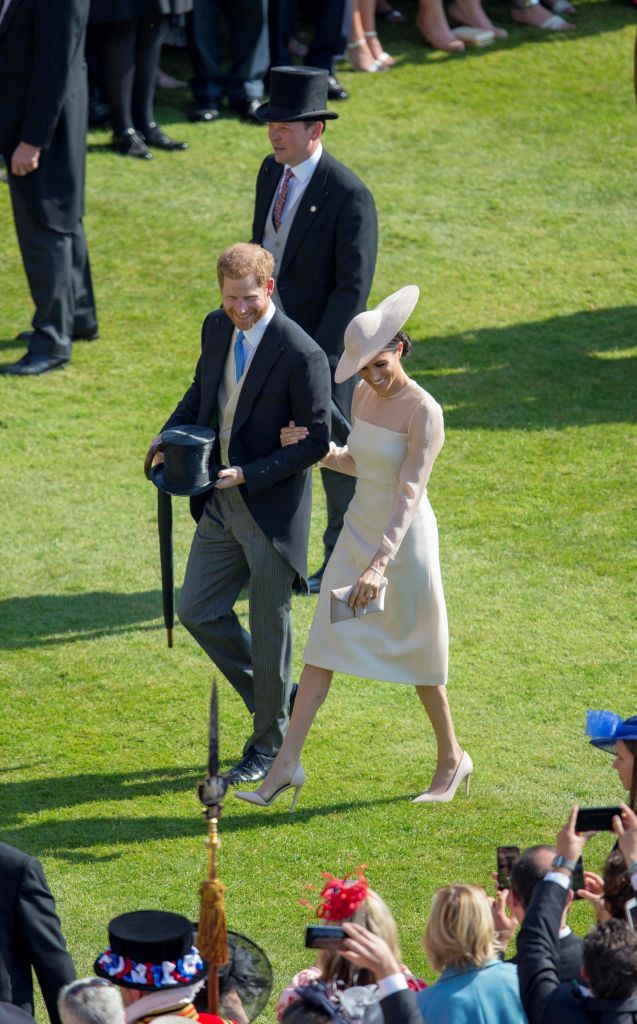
9	344
44	620
573	370
73	840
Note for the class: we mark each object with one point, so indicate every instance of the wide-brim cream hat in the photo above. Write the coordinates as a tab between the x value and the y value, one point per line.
371	331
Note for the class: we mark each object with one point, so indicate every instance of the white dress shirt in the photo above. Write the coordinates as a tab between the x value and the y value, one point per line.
301	175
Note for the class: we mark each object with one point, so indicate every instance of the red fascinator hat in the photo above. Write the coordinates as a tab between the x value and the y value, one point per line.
341	897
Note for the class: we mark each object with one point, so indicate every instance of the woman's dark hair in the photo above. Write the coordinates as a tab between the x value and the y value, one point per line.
617	885
403	337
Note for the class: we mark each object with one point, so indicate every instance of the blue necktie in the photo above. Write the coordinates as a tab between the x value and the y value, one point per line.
239	356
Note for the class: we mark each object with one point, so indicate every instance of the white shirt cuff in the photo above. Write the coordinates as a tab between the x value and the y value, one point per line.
392	983
559	877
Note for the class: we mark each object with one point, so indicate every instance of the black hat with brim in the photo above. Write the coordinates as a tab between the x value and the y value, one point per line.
186	469
297	94
151	950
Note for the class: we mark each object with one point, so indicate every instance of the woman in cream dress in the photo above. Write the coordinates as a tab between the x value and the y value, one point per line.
389	531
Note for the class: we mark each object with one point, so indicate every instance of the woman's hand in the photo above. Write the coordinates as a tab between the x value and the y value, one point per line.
364	949
625	828
504	925
293	434
593	892
231	477
366	588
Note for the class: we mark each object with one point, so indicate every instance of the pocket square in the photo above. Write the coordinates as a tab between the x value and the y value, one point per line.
340	609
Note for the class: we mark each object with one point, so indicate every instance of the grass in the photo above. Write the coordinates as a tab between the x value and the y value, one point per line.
505	186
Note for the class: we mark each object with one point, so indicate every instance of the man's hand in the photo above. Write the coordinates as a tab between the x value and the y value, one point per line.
154	455
569	842
293	434
504	925
625	828
26	158
364	949
231	477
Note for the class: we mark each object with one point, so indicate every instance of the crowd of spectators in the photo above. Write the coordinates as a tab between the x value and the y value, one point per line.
151	969
125	39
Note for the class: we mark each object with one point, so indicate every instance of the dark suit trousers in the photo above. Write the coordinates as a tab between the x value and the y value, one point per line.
58	272
330	32
247	22
228	551
339	491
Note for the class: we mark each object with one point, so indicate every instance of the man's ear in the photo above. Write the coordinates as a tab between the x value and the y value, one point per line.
270	286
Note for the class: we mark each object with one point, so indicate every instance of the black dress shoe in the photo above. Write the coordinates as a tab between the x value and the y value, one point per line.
155	137
33	363
335	90
252	767
129	143
247	110
315	580
206	114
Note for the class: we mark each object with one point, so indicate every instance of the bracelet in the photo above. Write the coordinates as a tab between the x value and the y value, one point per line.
382	576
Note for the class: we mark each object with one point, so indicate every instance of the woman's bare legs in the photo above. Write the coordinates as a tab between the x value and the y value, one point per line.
432	22
314	685
470	12
435	703
368	19
358	52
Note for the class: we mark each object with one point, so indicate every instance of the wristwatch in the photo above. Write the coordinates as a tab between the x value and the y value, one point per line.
564	862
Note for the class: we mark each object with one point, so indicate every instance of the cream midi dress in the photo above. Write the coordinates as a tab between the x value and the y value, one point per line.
391	450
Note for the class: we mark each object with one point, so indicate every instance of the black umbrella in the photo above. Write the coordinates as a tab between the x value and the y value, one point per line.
165	527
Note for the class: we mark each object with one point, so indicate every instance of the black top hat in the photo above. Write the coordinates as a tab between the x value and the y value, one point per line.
151	950
297	94
186	468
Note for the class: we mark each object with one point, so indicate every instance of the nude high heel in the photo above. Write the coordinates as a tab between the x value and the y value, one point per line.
296	781
463	771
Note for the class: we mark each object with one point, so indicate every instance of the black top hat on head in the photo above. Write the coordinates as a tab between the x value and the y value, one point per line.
151	950
297	94
186	468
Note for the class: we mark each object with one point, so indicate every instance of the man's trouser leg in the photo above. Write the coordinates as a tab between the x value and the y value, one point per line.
339	491
228	549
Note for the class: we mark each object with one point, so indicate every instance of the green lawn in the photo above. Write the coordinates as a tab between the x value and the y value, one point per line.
506	190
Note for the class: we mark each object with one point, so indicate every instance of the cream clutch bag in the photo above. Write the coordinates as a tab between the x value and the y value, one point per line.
340	609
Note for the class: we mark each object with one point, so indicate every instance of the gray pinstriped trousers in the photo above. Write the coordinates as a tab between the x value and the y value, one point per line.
227	551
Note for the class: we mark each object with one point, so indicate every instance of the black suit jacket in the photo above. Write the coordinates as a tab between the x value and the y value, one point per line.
30	934
288	379
401	1008
328	265
43	101
545	999
571	948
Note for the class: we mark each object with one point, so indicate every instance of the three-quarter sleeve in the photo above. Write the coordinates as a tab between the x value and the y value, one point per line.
425	437
339	459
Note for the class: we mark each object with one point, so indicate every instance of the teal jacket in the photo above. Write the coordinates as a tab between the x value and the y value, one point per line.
478	995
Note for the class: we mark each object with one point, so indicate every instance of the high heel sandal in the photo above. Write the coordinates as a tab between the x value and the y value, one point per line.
296	781
356	45
384	59
463	771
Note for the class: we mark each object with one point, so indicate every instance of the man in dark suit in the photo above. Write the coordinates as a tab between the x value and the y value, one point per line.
329	39
258	370
609	962
526	874
43	117
247	22
318	220
30	934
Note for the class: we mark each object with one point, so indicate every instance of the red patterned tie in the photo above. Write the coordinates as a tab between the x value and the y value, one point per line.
279	206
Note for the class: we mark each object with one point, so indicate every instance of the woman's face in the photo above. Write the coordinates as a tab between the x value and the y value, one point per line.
384	372
623	764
